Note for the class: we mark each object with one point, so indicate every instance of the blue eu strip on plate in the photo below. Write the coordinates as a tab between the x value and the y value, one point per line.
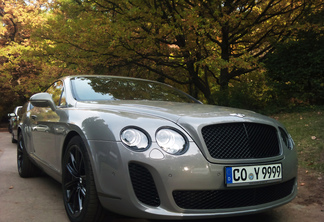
229	178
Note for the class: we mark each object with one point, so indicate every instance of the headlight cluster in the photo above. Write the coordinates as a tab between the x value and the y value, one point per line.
135	139
170	140
288	141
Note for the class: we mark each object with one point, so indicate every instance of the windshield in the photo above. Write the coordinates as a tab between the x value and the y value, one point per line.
115	88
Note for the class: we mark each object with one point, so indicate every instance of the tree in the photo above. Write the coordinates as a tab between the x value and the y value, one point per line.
19	73
296	69
202	44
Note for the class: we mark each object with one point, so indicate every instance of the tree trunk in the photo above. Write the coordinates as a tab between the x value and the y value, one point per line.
198	82
224	73
224	91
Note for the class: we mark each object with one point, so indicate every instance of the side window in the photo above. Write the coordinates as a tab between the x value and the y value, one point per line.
57	92
29	106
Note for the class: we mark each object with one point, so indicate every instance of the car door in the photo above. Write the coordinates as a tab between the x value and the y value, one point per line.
45	125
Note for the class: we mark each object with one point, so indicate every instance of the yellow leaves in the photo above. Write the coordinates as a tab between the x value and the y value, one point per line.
3	30
17	22
288	83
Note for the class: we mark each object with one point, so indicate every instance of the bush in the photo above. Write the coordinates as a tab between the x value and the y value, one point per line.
296	71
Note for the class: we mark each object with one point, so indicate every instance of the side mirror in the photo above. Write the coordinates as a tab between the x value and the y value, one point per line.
17	110
43	100
11	114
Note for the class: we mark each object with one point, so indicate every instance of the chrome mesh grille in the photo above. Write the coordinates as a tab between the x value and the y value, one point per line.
241	140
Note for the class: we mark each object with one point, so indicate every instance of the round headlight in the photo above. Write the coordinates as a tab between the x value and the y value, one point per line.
171	141
135	139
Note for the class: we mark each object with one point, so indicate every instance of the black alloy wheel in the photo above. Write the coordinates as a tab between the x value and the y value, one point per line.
25	167
79	191
75	181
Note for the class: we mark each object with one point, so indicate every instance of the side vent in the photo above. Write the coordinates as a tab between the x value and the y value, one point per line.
143	185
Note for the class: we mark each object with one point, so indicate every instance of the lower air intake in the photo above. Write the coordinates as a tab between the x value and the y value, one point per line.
143	185
232	198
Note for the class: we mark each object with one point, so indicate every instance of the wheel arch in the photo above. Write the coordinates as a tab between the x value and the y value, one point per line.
68	137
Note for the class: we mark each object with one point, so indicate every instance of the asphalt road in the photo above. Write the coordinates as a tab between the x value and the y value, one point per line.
39	199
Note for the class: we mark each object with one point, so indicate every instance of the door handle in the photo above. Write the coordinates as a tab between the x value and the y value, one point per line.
41	128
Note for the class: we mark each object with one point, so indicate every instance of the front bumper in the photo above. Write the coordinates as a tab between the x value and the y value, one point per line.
156	185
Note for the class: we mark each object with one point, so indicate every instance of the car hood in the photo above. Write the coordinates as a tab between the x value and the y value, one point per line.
184	114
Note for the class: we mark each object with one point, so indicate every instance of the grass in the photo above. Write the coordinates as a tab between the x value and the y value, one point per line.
307	129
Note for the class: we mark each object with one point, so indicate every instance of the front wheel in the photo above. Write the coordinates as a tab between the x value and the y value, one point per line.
79	191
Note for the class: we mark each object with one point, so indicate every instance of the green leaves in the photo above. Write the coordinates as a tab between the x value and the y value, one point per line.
199	46
296	70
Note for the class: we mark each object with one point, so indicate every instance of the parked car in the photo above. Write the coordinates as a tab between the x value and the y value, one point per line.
145	149
13	120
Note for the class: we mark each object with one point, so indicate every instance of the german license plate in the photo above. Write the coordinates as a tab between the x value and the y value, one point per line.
247	175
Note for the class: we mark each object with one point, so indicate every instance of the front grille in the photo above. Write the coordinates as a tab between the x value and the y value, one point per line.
241	140
143	185
232	198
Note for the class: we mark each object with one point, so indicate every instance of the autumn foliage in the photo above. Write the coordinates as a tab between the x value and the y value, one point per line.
214	50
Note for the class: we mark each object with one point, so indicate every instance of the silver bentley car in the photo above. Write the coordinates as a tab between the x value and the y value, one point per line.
147	150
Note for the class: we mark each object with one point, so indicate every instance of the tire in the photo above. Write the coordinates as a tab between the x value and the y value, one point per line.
79	191
13	140
25	167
